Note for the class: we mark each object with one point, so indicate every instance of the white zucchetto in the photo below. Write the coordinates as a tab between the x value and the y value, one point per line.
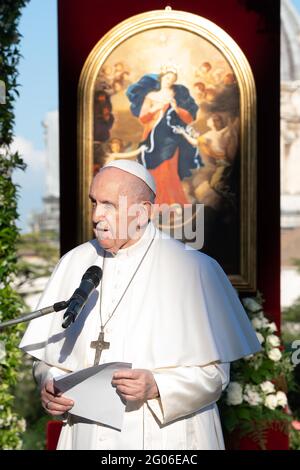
134	168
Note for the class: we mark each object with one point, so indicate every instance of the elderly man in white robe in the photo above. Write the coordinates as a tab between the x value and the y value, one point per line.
168	310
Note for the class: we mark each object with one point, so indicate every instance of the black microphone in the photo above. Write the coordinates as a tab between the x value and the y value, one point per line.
90	280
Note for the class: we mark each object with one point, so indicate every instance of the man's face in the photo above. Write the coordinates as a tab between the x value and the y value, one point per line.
113	222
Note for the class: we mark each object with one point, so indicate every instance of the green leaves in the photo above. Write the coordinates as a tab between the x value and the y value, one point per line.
11	305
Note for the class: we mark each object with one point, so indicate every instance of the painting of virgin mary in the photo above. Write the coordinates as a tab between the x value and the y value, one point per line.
180	119
162	107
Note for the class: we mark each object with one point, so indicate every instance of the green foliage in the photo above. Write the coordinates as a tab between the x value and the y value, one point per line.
256	398
288	337
292	313
35	437
11	425
291	319
43	245
296	263
294	439
10	12
38	253
28	404
44	249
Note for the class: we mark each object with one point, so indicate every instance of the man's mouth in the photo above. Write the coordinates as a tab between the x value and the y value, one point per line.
102	229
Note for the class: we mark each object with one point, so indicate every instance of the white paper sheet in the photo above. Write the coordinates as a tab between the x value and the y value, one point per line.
94	396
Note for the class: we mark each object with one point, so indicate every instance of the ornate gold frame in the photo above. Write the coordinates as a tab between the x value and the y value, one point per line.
245	280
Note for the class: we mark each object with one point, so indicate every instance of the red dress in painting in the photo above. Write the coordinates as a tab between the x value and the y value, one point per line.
168	184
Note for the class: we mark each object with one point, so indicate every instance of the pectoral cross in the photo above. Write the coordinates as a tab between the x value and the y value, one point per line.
99	345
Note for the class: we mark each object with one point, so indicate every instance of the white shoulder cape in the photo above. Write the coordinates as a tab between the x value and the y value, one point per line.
184	312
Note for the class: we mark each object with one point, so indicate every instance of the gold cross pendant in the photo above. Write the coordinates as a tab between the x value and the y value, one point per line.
99	345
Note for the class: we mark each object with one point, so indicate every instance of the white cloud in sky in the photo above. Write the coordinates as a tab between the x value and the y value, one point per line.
34	158
31	181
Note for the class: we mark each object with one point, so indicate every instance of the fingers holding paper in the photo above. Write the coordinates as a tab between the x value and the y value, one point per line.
54	403
135	384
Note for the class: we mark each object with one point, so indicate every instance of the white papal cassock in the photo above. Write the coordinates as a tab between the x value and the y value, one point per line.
180	318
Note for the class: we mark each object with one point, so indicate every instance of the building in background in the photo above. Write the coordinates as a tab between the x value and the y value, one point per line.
48	219
290	151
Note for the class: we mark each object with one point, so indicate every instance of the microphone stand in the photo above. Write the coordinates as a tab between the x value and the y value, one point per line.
37	313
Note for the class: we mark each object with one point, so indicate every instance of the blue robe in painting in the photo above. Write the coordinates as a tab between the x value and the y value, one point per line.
162	141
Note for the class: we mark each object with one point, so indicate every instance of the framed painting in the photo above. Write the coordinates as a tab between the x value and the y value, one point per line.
173	91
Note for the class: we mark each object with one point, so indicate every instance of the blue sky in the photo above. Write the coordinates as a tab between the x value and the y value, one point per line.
38	68
38	94
297	4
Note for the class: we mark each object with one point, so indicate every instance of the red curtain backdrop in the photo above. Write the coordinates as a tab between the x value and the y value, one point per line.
254	25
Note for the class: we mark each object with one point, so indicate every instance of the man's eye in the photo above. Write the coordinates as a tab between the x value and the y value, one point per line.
107	206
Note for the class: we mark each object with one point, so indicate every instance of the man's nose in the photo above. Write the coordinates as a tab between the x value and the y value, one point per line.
98	214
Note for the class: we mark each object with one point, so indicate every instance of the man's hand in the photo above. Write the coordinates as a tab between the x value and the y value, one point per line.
54	403
135	384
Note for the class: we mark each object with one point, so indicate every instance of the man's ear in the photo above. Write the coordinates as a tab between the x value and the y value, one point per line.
145	211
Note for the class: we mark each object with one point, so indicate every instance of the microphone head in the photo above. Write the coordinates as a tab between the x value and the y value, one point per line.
93	274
